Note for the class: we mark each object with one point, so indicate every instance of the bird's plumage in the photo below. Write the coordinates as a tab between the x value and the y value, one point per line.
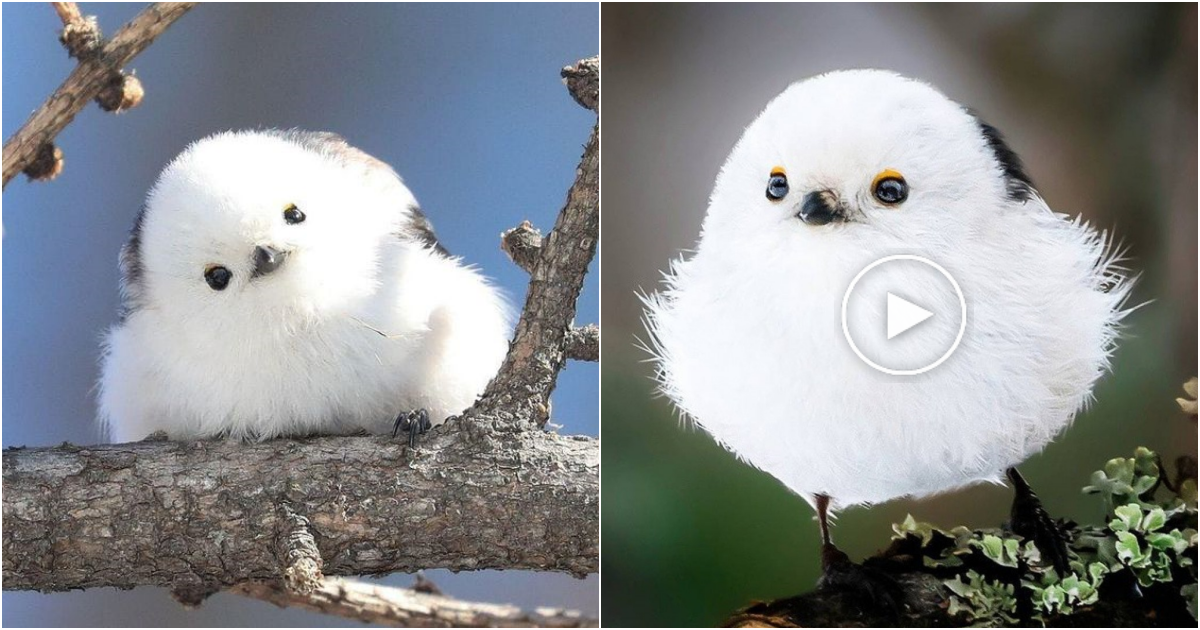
747	333
367	317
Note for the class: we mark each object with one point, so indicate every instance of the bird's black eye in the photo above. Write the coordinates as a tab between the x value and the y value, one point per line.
777	185
890	188
293	215
217	277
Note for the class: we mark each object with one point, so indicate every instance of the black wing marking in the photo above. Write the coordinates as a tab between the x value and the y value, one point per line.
421	229
1020	187
132	269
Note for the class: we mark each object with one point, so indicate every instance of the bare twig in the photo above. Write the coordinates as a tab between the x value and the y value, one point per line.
583	344
68	12
372	603
95	73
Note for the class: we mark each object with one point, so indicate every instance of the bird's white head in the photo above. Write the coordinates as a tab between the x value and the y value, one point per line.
866	156
266	224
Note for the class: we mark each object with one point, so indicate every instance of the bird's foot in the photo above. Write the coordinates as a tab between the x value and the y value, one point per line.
1029	520
413	423
873	589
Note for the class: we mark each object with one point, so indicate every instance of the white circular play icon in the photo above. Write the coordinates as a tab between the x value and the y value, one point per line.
904	315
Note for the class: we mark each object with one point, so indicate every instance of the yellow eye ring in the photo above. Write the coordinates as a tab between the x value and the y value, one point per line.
886	174
889	187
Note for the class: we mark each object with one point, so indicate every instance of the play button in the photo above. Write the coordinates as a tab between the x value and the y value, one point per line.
904	315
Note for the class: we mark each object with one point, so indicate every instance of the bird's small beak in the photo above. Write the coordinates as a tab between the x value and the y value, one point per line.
821	207
266	260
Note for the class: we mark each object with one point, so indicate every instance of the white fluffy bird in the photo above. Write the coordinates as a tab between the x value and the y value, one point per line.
285	283
839	171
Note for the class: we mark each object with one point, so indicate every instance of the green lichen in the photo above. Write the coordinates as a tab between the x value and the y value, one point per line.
996	578
981	601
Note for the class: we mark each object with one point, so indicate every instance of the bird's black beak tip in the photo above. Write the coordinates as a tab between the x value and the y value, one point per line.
267	259
821	207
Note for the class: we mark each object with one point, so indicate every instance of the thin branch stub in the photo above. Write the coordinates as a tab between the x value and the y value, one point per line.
403	607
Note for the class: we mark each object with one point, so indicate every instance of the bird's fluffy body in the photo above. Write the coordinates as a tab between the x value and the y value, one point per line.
747	332
299	350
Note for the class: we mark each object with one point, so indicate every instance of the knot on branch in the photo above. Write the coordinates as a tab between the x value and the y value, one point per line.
523	244
46	164
80	35
583	81
583	344
123	92
301	558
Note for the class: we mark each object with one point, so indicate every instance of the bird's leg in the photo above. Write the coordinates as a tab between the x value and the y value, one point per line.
413	423
1029	520
874	587
830	555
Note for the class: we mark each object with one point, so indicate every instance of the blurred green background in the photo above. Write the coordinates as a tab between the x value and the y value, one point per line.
1100	102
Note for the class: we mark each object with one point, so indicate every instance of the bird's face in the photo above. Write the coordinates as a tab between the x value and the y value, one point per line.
251	225
866	160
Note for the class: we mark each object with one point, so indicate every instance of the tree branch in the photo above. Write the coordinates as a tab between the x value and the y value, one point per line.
199	516
401	607
522	388
98	72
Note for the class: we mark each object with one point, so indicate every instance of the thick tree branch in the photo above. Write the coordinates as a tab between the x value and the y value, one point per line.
520	393
401	607
98	72
199	516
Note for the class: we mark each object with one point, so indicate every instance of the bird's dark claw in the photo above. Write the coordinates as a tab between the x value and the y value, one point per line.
1029	520
413	423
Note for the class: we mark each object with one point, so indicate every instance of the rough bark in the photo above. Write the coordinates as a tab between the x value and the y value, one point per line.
402	607
99	70
199	516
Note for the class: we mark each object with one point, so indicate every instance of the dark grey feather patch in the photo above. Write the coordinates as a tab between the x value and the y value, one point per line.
132	269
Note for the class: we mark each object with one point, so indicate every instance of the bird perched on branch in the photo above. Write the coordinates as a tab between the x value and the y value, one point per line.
839	171
286	283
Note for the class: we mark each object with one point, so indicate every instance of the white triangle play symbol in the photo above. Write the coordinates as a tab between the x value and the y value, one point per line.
902	315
